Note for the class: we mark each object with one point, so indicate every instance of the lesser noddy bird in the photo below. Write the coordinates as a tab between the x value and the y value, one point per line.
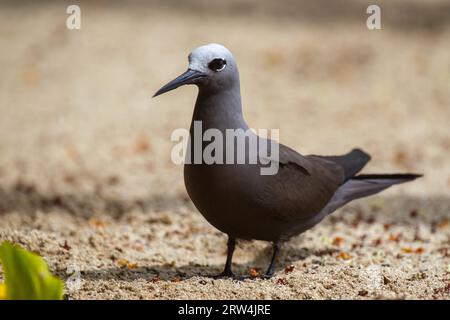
236	198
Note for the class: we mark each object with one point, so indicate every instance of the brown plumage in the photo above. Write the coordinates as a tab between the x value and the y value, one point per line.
236	198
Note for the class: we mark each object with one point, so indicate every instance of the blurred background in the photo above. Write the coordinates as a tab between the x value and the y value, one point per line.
77	110
80	134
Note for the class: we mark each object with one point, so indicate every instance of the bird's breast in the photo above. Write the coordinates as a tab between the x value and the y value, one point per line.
225	196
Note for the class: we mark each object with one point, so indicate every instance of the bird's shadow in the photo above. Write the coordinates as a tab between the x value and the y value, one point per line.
395	210
164	272
26	199
406	211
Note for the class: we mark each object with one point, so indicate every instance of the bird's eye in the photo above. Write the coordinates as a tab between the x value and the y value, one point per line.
217	64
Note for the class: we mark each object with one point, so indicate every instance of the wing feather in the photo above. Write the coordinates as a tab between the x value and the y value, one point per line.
302	186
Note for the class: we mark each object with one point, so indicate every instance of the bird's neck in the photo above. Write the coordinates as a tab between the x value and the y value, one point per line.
219	109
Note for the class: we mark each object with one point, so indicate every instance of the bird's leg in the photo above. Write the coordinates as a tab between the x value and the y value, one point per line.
231	244
271	269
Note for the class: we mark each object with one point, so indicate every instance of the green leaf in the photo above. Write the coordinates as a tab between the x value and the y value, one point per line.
27	276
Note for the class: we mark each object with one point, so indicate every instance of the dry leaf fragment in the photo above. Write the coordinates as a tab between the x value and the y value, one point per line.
282	281
377	242
141	145
344	255
132	266
254	273
97	223
444	223
411	250
414	213
65	246
407	250
122	263
337	241
363	293
289	269
395	238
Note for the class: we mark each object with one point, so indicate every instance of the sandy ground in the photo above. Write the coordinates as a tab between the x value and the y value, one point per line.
86	178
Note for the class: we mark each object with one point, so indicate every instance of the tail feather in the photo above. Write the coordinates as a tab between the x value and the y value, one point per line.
352	162
365	185
399	177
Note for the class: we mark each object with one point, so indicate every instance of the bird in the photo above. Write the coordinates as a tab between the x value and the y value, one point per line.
236	198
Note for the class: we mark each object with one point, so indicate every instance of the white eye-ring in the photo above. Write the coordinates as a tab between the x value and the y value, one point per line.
217	64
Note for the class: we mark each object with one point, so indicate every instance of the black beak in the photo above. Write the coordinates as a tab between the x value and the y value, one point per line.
186	78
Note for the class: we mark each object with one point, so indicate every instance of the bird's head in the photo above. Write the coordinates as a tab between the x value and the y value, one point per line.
211	67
